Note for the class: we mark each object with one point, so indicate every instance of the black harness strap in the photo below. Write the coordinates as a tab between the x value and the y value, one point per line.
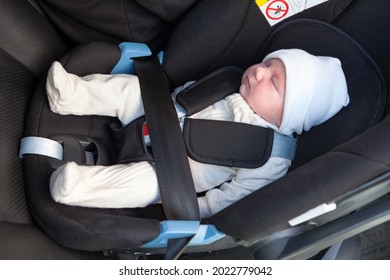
210	89
177	191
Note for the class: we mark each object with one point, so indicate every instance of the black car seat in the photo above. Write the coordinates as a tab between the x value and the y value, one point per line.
332	166
25	240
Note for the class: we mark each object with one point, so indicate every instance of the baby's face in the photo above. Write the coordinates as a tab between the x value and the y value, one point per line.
263	87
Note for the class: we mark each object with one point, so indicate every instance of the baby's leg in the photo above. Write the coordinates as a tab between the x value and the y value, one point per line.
95	94
117	186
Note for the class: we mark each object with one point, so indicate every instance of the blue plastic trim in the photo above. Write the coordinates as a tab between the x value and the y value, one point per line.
204	234
130	50
160	57
284	146
207	234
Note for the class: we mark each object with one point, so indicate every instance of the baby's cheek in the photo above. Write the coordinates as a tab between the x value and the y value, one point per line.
243	91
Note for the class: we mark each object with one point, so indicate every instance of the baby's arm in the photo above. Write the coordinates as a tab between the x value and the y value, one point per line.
95	94
245	182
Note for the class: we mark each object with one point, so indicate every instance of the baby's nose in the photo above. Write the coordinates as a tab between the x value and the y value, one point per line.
260	73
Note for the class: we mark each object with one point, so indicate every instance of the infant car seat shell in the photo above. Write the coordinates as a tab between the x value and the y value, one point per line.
100	229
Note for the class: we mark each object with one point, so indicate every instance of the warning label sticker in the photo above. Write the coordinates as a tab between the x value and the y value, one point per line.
277	10
261	2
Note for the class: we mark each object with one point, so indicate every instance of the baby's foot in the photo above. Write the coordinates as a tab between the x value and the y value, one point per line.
60	87
64	182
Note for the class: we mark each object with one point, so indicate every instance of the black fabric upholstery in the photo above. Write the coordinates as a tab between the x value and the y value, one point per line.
370	30
16	84
97	57
27	242
28	44
220	37
231	34
24	56
28	37
116	20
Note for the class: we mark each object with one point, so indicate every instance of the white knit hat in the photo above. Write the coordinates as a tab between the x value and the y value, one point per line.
316	89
